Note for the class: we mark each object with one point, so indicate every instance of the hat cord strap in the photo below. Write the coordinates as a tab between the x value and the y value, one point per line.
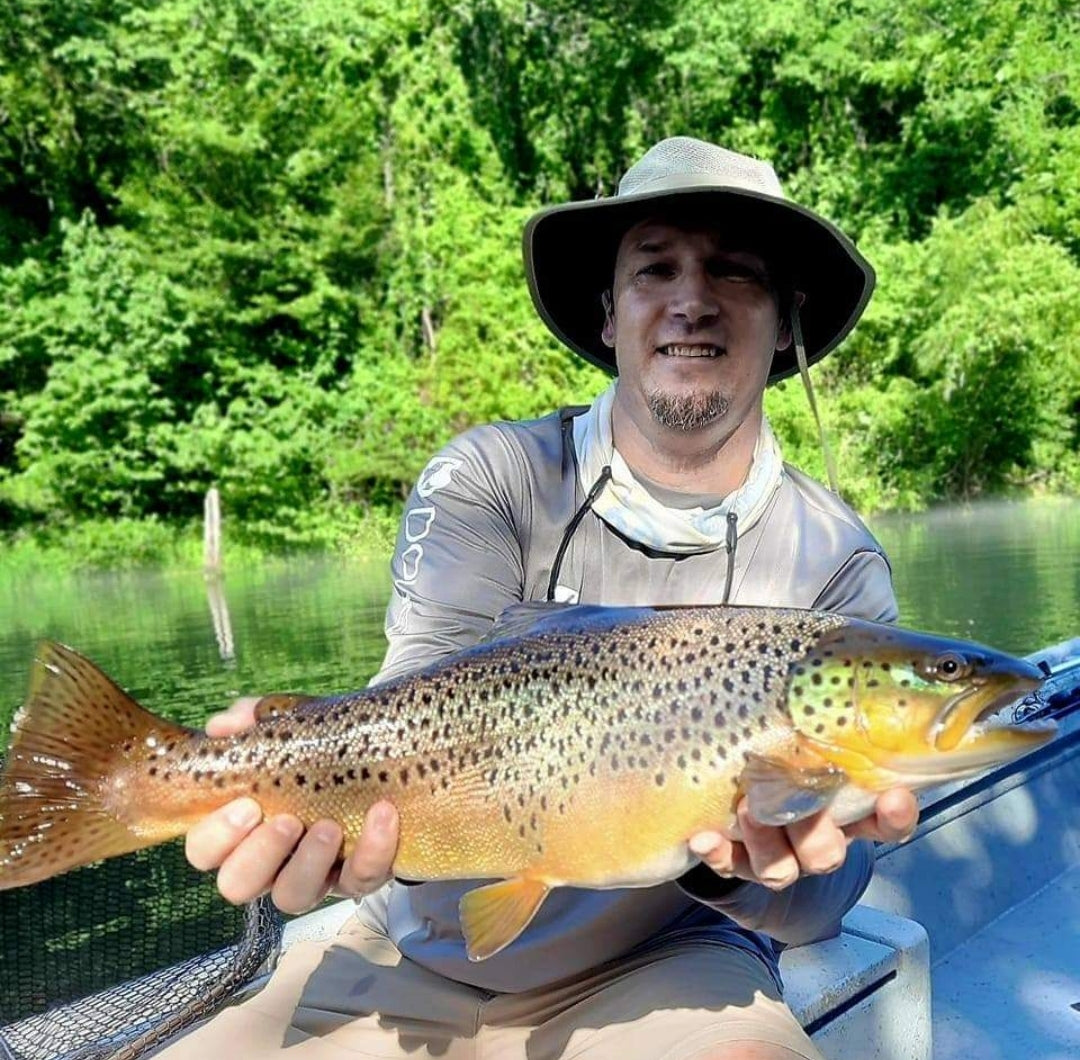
804	371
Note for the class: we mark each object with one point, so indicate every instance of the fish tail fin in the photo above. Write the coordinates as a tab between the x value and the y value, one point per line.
62	797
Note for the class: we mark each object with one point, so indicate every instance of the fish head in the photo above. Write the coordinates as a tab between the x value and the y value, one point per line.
893	706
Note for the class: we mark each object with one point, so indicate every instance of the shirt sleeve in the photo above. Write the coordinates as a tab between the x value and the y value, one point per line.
457	563
809	910
861	588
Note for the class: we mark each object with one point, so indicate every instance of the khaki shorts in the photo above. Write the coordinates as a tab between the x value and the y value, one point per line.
355	996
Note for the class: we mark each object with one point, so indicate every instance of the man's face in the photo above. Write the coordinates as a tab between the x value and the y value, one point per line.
694	323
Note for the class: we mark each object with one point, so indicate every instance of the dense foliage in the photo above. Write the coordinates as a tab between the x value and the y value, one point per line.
273	245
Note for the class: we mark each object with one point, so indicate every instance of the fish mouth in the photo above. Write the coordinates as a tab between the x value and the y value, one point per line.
964	716
688	349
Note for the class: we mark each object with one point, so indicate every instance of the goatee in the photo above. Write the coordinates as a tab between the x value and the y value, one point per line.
686	412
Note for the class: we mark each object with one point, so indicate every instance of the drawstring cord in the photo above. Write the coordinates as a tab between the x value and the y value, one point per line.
590	499
731	538
731	541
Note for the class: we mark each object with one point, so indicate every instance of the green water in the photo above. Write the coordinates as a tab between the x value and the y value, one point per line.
1005	574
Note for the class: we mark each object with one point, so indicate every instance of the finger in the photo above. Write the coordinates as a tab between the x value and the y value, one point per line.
238	717
371	862
305	880
772	861
896	813
251	868
216	836
818	844
716	851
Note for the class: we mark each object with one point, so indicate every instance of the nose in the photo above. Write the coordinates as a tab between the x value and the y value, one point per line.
693	299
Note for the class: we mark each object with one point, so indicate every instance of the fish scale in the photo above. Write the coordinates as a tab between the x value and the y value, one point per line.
585	751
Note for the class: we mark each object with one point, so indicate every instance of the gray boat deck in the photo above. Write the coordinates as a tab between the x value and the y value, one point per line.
1013	989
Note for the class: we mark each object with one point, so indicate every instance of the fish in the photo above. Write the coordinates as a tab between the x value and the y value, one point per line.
583	747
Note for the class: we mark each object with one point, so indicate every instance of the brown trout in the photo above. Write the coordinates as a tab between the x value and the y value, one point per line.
583	752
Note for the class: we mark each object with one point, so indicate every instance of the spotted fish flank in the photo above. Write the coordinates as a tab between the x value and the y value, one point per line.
517	760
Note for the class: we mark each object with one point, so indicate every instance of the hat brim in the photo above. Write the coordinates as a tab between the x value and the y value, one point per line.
570	258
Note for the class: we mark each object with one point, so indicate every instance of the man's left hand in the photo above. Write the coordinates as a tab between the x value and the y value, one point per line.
777	856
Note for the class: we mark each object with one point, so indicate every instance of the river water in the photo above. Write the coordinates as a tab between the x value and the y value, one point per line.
1007	574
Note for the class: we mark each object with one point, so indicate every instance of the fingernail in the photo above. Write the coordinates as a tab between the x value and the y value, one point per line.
704	843
244	813
286	826
325	832
381	816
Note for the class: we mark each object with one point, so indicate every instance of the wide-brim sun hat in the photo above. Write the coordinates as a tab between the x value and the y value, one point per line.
570	248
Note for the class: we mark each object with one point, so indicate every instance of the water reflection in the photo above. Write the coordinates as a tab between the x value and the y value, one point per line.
301	624
1007	574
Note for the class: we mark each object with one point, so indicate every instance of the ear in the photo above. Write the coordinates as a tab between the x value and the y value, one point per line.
607	334
783	330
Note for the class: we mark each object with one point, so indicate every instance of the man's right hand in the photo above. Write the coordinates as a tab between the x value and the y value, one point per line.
254	856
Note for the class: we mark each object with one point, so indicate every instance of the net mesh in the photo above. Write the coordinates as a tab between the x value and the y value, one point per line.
147	921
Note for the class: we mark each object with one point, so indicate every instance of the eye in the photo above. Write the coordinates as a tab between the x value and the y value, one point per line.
735	272
951	667
656	268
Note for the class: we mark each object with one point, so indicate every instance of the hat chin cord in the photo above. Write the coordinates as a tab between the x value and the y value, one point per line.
804	371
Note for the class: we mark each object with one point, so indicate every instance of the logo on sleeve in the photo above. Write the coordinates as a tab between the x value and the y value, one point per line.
437	475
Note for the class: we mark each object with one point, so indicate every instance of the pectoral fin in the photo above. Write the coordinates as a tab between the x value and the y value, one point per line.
781	789
494	915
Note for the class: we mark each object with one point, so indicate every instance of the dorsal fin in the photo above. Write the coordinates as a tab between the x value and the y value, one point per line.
542	616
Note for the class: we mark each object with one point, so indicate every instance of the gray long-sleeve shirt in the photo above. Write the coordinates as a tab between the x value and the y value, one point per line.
480	533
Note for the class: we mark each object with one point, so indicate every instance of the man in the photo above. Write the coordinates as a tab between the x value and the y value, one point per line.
692	284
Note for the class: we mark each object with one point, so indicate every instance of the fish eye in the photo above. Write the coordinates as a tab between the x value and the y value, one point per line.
951	667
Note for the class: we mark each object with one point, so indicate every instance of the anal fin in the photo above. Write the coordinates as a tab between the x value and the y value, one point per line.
494	915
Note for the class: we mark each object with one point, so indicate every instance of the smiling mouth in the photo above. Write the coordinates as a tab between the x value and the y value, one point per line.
681	350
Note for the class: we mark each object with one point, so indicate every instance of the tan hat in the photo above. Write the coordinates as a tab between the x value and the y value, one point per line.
570	249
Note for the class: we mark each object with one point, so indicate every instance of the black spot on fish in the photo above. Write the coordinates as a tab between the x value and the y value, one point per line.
301	780
841	721
815	679
277	782
384	776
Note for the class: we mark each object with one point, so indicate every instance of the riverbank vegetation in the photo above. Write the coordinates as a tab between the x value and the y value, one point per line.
273	245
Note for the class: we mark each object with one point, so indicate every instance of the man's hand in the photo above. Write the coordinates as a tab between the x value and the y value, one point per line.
255	856
777	857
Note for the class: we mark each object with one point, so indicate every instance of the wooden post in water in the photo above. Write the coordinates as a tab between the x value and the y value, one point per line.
215	591
212	531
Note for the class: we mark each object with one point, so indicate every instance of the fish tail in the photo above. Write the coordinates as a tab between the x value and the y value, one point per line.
63	799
